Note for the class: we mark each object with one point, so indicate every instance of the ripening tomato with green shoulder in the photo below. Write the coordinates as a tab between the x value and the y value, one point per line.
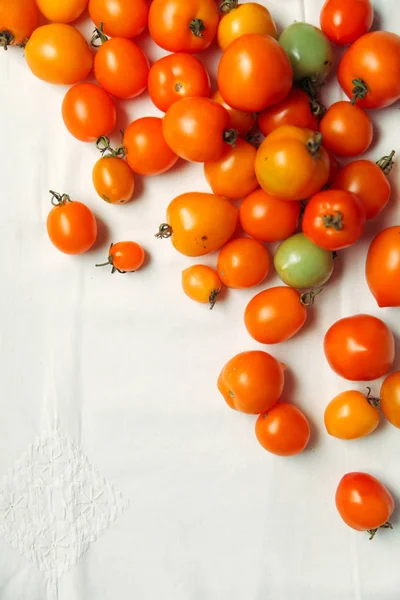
71	225
147	152
202	284
383	267
240	120
268	218
294	110
344	21
199	223
18	19
62	12
125	257
88	112
252	382
352	415
309	50
239	19
243	263
283	430
346	129
390	398
120	18
233	175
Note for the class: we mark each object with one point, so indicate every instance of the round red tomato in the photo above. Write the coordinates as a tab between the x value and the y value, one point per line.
88	112
383	267
268	218
18	19
233	175
359	348
125	257
295	110
344	21
71	226
243	263
120	18
346	129
283	430
147	152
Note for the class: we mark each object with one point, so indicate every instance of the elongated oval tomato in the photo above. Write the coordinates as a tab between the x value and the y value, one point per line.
202	284
240	120
147	152
88	112
18	19
254	72
346	129
182	26
177	76
58	53
125	257
351	415
199	223
243	263
294	110
239	19
233	175
383	267
71	226
344	21
283	430
252	382
268	218
62	12
390	398
120	18
369	71
113	180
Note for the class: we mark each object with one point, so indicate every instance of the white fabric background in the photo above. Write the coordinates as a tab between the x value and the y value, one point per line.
126	366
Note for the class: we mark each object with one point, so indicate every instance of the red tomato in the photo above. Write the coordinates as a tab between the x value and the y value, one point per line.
283	430
364	503
120	18
18	19
88	112
268	218
346	129
71	226
369	71
233	175
125	257
254	72
334	219
390	398
177	76
243	263
295	110
383	267
147	152
359	348
182	26
242	121
344	21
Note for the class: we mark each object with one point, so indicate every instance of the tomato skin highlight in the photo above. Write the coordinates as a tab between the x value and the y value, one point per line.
268	218
113	180
350	416
346	129
243	263
383	267
88	112
120	18
147	152
309	50
390	398
202	284
72	227
283	430
344	21
18	19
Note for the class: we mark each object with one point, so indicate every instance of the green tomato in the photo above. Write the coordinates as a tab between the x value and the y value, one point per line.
301	264
309	51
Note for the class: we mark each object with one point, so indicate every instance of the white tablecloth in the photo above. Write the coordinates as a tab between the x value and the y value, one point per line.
122	370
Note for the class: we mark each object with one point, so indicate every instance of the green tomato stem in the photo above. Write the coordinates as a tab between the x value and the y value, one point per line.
99	37
386	162
197	27
335	221
359	91
164	231
227	6
59	199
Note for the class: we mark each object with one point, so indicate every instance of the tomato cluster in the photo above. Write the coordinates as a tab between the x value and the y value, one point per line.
268	87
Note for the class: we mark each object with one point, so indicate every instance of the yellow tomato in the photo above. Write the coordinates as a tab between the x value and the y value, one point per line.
202	284
351	415
244	18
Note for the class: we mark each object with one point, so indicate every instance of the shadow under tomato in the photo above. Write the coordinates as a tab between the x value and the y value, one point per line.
103	236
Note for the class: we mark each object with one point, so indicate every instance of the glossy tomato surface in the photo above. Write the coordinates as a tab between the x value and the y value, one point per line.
344	21
383	267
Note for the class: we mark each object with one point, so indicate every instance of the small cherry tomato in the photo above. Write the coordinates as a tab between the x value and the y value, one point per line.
254	72
309	50
112	178
240	120
202	284
364	503
125	257
368	181
294	110
182	26
196	129
88	112
275	315
147	152
18	19
243	263
120	18
120	67
62	12
292	164
390	398
334	219
177	76
58	53
233	175
344	21
301	264
252	382
369	71
346	129
351	415
239	19
383	267
71	226
268	218
283	430
199	223
359	348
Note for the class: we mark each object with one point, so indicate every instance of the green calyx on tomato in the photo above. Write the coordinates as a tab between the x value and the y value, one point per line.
227	6
6	38
335	221
360	90
197	27
103	144
99	37
386	162
59	199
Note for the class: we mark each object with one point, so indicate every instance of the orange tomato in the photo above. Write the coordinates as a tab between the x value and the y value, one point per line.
62	12
369	71
242	121
351	415
295	110
243	263
58	53
18	19
88	112
196	129
182	26
346	129
254	72
275	315
233	175
344	21
120	18
202	284
177	76
390	398
283	430
199	223
125	257
292	164
383	267
71	226
121	68
252	382
359	348
268	218
239	19
147	151
113	180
